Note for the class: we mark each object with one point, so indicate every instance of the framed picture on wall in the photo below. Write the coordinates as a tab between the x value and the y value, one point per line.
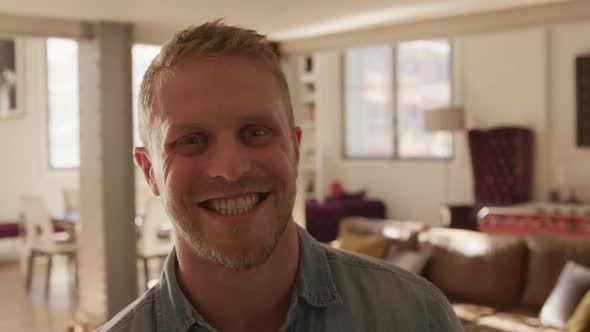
10	78
583	100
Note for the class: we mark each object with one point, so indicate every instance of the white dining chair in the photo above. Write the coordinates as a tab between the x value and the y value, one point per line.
156	237
41	240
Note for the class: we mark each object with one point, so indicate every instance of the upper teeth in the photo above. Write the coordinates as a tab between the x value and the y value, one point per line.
234	206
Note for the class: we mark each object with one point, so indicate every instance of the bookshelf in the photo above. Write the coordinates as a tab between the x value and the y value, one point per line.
306	117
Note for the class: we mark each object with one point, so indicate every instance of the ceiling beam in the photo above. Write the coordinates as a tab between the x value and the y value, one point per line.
505	19
20	26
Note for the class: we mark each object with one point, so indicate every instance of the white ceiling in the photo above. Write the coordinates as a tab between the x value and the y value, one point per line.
281	19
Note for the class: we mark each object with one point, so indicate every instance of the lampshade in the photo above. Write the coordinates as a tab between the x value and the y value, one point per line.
444	119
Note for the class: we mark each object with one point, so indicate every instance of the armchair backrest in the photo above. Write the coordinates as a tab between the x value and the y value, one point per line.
502	163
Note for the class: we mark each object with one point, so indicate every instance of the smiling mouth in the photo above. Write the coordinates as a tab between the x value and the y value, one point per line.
234	206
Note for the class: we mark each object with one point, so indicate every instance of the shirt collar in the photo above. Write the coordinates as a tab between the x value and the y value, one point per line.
174	311
314	283
314	277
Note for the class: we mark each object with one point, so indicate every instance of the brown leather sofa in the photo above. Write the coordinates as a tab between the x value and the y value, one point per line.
495	282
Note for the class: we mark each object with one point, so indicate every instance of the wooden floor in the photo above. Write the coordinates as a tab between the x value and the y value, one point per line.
34	312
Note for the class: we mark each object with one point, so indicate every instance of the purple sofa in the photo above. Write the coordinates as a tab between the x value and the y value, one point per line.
323	219
8	229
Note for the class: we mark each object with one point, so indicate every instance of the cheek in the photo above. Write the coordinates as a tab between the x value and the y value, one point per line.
280	165
179	175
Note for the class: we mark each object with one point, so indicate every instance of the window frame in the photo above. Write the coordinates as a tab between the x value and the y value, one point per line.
396	156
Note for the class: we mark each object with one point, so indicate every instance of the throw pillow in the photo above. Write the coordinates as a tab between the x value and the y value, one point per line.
572	284
370	245
409	260
580	320
336	189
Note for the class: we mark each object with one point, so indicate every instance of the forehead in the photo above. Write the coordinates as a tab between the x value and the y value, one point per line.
223	85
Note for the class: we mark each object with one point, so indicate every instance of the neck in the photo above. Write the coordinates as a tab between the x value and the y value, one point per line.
257	299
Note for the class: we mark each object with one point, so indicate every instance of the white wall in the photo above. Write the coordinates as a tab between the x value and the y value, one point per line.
527	77
23	143
570	164
503	76
523	77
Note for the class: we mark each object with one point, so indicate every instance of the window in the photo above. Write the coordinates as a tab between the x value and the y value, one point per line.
62	99
387	91
62	87
369	102
141	57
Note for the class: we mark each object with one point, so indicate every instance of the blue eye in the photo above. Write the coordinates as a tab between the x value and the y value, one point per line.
190	140
257	136
190	145
256	132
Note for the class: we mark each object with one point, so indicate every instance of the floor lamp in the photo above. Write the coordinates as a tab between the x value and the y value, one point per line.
449	119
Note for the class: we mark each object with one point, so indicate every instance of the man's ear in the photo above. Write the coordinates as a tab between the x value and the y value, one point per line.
142	159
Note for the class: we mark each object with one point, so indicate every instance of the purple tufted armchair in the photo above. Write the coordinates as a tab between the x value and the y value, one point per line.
502	163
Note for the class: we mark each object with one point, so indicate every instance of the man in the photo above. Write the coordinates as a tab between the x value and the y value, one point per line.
222	151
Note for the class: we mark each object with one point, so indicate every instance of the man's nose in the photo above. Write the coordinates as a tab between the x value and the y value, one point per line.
229	160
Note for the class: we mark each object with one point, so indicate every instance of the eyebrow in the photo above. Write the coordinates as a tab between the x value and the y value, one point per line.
184	126
260	119
245	119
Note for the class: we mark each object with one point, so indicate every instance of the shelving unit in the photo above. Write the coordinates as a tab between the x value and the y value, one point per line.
306	118
314	83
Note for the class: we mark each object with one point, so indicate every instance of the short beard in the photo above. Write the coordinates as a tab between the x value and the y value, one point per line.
202	248
235	262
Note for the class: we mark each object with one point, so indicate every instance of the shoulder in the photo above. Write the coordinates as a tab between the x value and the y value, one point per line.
137	316
358	266
373	281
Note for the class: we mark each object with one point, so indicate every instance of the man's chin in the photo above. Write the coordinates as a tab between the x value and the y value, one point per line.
244	262
244	257
241	249
236	256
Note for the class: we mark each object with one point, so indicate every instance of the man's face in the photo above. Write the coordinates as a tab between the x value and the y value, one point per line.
224	158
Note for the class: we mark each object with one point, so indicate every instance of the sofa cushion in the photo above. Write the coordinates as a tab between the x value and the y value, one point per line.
402	234
547	256
571	286
370	245
580	320
474	266
409	260
518	320
469	313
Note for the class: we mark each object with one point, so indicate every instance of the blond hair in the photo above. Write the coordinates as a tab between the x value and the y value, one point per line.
207	40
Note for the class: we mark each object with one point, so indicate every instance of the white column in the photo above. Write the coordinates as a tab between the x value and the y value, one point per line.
107	250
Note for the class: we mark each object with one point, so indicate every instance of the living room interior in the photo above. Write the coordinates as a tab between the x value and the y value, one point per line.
509	66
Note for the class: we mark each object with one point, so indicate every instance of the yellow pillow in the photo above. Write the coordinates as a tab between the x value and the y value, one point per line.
580	320
370	245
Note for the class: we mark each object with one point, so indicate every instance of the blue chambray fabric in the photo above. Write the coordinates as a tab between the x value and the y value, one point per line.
335	291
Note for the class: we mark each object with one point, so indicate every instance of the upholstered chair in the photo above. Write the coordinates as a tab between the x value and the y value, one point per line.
502	164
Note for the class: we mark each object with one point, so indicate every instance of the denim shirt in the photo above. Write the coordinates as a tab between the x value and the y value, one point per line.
334	291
